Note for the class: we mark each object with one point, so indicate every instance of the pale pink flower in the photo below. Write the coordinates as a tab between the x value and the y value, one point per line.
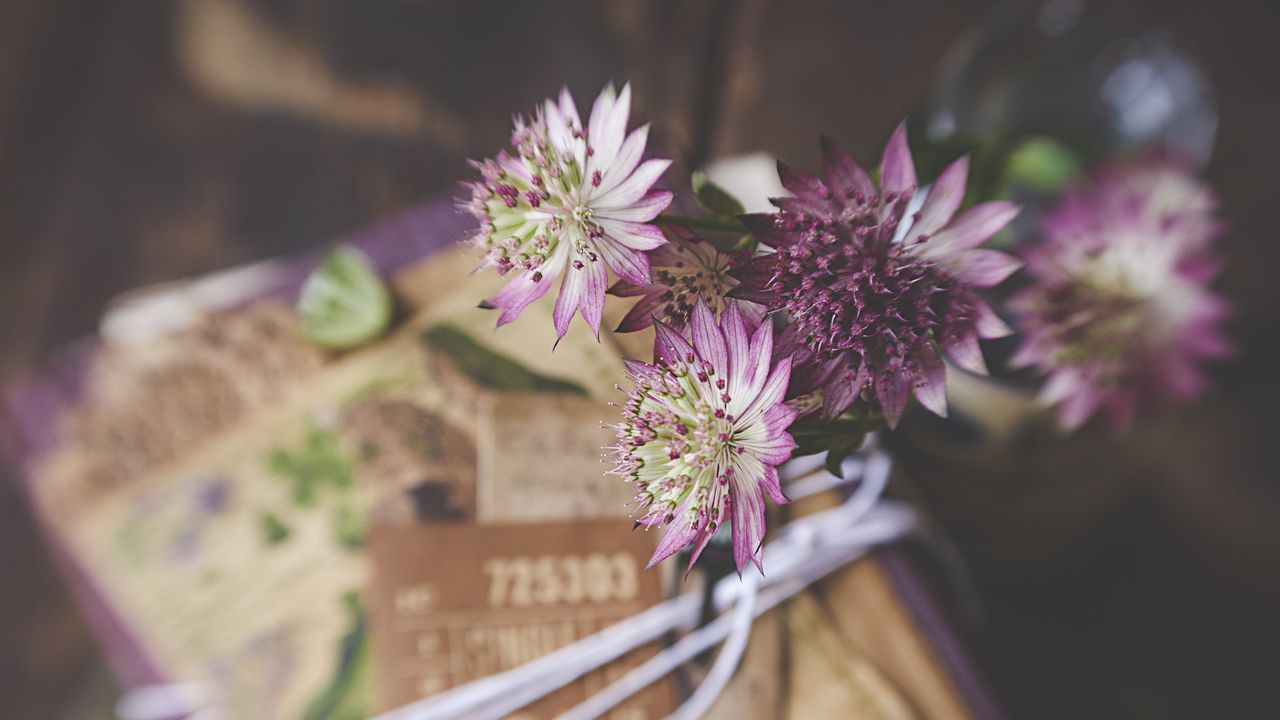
1120	313
570	202
703	432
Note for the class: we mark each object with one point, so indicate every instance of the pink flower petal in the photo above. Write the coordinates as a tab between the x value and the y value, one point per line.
772	487
679	533
775	388
989	325
629	156
568	108
843	172
893	390
626	288
640	316
759	356
776	450
944	198
608	126
931	382
839	392
965	352
984	268
643	210
801	183
632	189
738	344
897	171
637	236
778	418
748	521
593	298
707	338
669	345
517	294
631	265
972	228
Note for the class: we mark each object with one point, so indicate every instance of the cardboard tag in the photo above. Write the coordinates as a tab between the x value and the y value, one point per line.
452	603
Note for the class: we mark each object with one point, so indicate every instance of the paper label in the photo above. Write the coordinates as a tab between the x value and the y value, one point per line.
454	603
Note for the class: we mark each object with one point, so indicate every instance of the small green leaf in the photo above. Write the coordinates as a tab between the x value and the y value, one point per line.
274	531
841	446
343	302
1041	163
490	369
714	198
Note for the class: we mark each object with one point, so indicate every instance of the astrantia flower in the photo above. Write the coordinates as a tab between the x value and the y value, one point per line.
703	432
875	294
570	201
686	271
1120	312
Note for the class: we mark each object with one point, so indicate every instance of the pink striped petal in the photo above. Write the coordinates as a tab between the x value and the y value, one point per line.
972	228
643	210
893	390
517	294
944	198
628	158
707	338
748	521
801	183
738	344
640	316
843	172
897	171
772	487
989	325
669	345
608	126
630	190
984	268
631	265
931	381
572	292
637	236
592	304
965	352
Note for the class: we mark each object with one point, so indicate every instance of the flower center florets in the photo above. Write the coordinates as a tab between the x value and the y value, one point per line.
676	438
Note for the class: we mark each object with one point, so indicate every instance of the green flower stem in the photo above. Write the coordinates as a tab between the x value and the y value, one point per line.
733	227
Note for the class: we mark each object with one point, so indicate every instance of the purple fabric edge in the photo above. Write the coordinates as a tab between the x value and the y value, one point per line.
32	403
938	630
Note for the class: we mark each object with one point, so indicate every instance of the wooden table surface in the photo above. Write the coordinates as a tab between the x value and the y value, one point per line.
155	139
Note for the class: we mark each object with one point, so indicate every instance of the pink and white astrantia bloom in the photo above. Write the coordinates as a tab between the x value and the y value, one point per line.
686	271
703	432
569	202
875	293
1120	312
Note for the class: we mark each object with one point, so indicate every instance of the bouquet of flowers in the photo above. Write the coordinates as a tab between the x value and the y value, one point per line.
809	328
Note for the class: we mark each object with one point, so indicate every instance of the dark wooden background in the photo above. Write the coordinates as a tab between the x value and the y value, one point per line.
148	140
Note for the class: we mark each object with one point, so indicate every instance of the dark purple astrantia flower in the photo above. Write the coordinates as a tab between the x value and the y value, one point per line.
703	432
570	202
875	292
1120	312
686	271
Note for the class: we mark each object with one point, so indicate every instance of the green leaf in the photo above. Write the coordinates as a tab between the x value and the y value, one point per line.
274	531
343	302
714	198
490	369
347	694
841	446
1041	163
